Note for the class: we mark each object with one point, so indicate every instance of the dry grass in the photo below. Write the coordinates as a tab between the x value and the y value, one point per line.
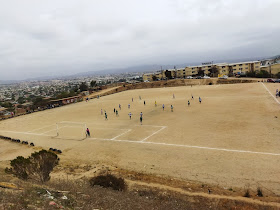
80	195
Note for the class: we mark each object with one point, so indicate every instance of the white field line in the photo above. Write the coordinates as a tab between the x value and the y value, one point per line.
156	126
190	146
48	131
165	144
95	128
55	129
40	128
162	127
36	134
81	123
271	94
121	134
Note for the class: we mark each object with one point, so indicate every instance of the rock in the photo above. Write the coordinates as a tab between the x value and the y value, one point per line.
64	197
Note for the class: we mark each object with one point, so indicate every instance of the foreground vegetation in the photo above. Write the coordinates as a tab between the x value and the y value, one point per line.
81	195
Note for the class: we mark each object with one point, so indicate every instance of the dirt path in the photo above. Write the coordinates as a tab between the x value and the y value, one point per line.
209	196
102	92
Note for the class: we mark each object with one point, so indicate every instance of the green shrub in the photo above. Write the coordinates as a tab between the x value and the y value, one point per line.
37	167
251	74
263	74
108	181
20	167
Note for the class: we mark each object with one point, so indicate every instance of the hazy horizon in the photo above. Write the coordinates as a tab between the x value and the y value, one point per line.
56	38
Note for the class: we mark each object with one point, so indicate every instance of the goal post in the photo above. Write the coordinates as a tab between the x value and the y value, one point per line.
71	130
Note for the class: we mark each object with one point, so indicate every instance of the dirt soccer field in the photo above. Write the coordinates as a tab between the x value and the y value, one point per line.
231	139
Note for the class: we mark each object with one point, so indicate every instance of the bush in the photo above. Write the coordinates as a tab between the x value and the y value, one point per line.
37	167
263	74
108	181
259	192
20	167
247	194
251	74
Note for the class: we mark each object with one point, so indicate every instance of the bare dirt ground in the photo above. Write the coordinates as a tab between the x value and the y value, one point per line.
101	92
230	140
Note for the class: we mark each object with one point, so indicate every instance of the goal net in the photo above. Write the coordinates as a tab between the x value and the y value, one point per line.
71	130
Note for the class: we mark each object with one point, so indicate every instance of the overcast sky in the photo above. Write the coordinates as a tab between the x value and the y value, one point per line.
62	37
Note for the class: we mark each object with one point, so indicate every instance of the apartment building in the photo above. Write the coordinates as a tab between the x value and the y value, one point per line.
223	68
181	73
148	77
244	67
160	75
272	69
192	70
230	69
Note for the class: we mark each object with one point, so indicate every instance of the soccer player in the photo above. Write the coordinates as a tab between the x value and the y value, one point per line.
120	107
162	107
141	117
173	96
106	117
128	106
144	103
129	114
192	97
171	108
132	99
155	103
114	110
199	100
189	103
88	133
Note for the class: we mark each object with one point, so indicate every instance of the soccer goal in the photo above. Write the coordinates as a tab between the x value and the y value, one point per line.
71	130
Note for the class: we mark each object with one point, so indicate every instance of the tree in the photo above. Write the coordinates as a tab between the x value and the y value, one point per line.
75	89
168	74
213	71
263	74
21	100
230	71
83	87
251	74
39	101
122	80
200	72
37	167
7	105
92	83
